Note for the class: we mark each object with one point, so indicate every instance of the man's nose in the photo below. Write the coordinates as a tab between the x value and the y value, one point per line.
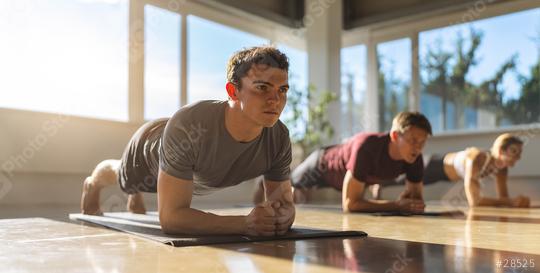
273	96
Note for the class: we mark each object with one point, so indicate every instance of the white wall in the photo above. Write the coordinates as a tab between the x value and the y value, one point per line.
53	143
44	157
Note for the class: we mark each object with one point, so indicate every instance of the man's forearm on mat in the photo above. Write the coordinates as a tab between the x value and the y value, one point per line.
487	201
370	205
193	221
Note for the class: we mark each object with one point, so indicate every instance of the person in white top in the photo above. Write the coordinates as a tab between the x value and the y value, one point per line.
471	166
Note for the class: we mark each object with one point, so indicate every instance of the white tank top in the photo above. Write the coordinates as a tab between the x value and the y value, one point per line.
487	169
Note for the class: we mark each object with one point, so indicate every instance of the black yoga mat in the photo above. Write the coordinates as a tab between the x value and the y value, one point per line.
445	213
451	213
147	226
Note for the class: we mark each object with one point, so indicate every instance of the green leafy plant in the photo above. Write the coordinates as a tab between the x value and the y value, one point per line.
307	118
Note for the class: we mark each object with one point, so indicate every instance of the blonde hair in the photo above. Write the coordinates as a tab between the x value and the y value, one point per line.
504	141
404	120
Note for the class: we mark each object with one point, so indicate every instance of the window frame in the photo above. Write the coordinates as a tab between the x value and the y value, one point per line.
234	18
411	27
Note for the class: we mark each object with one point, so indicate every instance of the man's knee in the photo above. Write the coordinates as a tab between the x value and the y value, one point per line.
106	172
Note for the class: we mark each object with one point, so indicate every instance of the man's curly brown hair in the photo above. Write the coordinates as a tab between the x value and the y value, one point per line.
241	61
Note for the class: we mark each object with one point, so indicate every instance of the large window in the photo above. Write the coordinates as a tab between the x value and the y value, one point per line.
162	62
298	67
394	79
353	89
209	47
483	74
297	95
58	57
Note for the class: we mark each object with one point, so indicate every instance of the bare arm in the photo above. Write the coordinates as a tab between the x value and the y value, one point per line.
413	196
473	190
353	198
413	191
502	191
279	194
176	216
502	186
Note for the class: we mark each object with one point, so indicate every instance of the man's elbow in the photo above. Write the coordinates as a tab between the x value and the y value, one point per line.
166	225
170	224
350	205
168	229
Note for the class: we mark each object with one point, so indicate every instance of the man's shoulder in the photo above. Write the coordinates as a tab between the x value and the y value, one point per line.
280	127
199	111
202	107
368	139
279	132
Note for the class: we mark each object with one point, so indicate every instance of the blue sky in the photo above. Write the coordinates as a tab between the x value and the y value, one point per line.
162	62
353	61
395	59
503	36
209	47
71	56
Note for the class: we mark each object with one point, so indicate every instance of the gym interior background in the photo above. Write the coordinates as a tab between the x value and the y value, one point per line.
79	77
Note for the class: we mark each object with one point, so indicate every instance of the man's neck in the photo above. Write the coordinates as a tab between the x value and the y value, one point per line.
393	151
239	126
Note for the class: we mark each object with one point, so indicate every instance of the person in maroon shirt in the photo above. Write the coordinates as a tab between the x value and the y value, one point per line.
369	159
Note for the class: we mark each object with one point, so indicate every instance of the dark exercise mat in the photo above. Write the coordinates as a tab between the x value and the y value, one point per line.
448	213
451	213
147	226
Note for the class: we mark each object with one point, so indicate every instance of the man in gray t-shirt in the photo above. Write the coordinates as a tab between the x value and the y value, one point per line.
211	145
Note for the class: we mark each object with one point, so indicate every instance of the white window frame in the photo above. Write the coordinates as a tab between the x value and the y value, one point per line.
216	12
410	27
370	36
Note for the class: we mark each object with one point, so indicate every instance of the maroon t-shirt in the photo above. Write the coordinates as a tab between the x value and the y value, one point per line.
366	156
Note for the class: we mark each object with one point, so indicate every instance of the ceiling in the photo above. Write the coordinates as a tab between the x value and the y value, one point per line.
356	13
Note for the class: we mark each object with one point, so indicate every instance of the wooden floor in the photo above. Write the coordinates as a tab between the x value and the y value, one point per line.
485	240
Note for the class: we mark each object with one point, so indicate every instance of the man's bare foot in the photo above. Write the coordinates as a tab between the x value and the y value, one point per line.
135	203
90	198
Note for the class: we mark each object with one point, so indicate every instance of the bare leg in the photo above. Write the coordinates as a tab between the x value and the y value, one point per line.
135	203
105	174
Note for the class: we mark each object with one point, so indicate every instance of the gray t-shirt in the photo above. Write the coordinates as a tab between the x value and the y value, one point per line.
196	146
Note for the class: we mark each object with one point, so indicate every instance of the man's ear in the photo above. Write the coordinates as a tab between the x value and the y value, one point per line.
393	135
231	90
